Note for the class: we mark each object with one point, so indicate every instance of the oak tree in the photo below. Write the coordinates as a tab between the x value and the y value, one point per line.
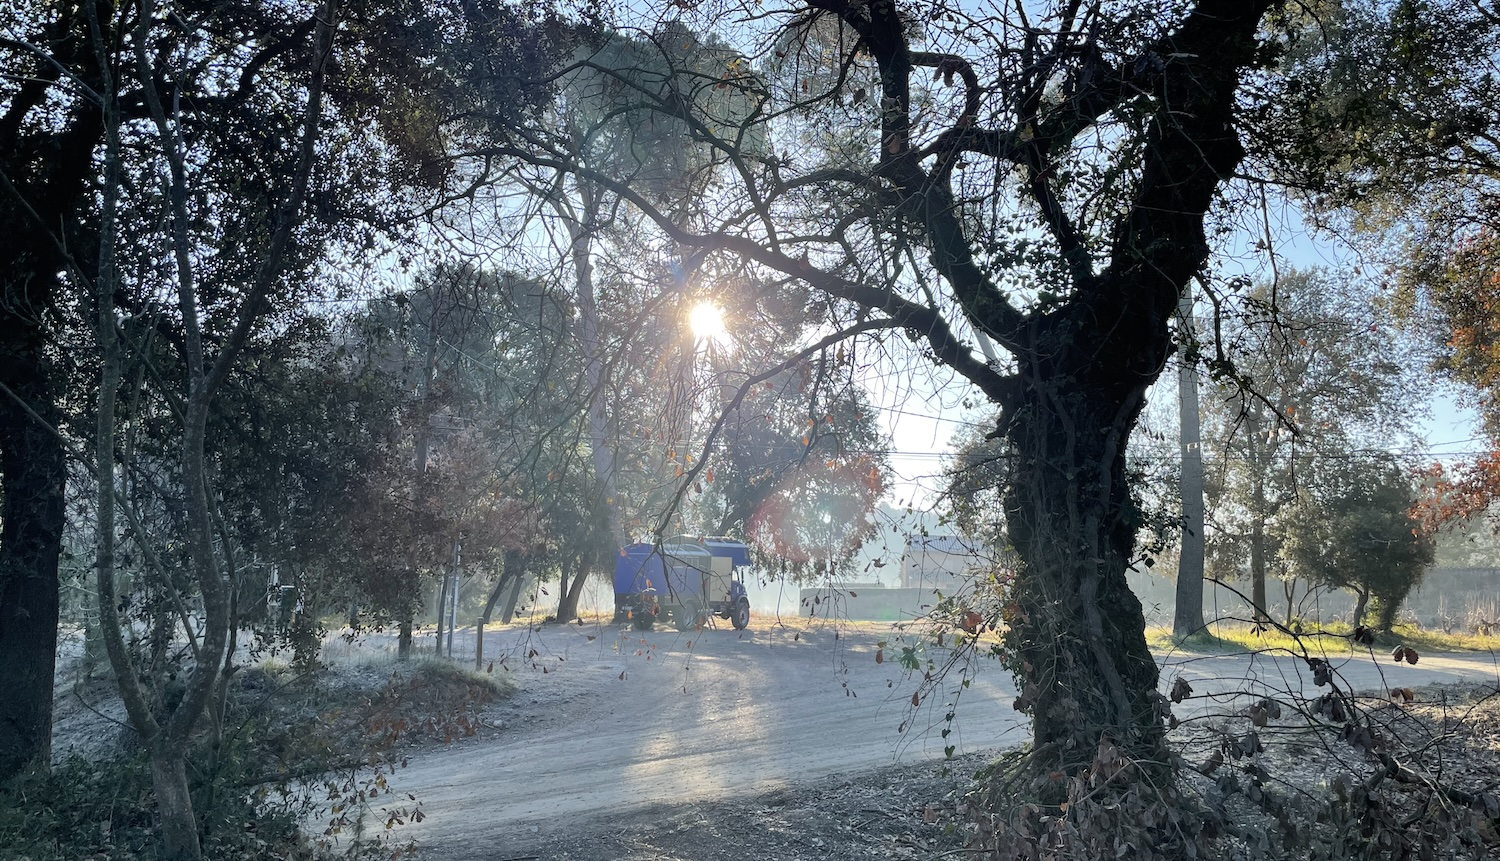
1039	177
1318	373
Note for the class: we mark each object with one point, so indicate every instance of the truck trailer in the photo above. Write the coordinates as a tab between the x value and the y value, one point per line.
687	581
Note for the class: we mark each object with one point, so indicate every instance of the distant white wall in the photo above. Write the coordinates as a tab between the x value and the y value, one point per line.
942	562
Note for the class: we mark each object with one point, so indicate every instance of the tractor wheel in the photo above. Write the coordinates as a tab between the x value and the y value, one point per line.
740	618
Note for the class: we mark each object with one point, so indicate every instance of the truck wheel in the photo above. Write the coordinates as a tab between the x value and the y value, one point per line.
688	617
642	619
740	616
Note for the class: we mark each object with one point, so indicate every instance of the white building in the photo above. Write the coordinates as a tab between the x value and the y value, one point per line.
942	562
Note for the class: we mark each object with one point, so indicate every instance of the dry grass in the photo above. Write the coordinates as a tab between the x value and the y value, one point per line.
1331	639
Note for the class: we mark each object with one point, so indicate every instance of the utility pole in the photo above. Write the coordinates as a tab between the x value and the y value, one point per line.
1187	616
442	615
452	608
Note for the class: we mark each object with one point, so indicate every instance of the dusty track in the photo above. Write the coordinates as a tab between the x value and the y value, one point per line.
622	721
609	724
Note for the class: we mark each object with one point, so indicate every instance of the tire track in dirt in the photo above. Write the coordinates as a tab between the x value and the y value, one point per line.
696	717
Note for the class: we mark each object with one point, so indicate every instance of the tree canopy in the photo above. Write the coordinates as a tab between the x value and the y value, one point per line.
1387	119
1319	376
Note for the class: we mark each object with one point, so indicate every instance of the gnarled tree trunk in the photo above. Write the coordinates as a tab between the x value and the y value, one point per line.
1077	631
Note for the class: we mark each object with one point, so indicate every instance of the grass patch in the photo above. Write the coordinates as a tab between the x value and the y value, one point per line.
445	674
1335	638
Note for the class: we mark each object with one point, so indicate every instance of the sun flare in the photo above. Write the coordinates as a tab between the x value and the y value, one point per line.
707	323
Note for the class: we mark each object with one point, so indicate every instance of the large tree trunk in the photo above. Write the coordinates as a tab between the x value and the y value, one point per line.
1261	453
174	803
1386	618
513	597
32	473
1258	571
1077	631
46	166
404	645
567	602
442	614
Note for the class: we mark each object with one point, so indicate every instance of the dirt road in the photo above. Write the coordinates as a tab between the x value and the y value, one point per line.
620	721
609	722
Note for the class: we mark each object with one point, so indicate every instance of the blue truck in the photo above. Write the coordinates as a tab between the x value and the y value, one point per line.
684	580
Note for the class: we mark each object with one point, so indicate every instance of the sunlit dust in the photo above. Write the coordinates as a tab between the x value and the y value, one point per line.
707	323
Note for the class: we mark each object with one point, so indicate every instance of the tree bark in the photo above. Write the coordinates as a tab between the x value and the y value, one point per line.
45	169
567	602
1258	569
32	476
404	645
174	803
511	569
404	640
508	609
1386	619
600	449
1078	632
1262	455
